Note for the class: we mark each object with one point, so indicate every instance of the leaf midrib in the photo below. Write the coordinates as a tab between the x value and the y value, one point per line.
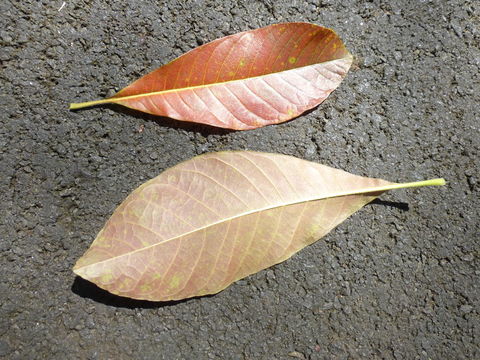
246	213
163	92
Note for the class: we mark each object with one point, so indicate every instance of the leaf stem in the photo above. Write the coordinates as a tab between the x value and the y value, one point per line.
75	106
431	182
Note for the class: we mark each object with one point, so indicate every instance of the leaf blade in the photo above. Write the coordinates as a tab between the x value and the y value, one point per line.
161	242
209	75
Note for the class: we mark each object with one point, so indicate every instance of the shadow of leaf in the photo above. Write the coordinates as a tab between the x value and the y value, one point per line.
88	290
399	205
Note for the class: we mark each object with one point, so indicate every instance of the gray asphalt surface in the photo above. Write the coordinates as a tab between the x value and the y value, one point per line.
398	280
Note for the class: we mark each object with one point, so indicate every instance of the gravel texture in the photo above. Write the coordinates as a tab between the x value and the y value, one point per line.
398	280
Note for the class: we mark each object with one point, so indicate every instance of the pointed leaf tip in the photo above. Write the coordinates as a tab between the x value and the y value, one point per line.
209	221
244	81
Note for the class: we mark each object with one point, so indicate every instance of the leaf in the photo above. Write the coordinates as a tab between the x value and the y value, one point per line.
243	81
209	221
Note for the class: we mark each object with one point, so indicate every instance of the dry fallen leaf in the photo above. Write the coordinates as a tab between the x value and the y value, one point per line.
209	221
243	81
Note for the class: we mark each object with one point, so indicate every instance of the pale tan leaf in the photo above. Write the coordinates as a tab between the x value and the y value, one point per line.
209	221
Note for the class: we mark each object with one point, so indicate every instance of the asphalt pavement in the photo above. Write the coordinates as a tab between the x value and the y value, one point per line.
397	280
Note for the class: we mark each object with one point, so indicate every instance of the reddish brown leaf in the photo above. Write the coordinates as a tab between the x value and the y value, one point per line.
244	81
207	222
